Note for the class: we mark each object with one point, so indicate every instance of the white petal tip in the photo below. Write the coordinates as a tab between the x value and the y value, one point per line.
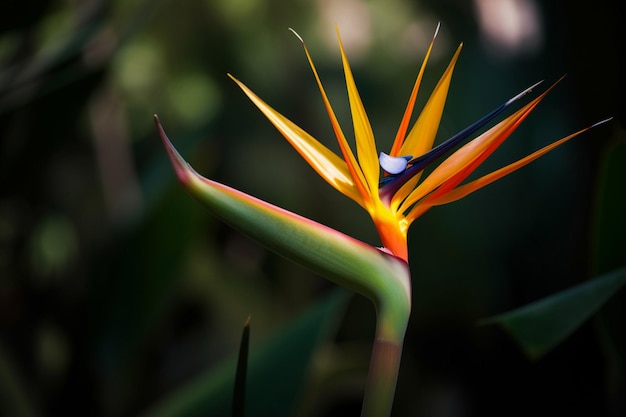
391	164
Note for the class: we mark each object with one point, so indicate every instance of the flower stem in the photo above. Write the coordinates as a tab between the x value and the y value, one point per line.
392	317
382	377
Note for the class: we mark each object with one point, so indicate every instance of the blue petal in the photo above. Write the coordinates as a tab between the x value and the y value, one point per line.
390	184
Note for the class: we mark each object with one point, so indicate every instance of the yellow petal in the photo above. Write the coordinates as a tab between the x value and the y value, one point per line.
325	162
422	135
350	160
365	144
406	118
420	139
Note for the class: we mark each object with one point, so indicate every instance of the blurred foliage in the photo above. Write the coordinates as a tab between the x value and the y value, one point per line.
117	289
541	325
283	361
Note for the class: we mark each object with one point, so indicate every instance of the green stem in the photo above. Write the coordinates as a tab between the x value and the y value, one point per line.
392	315
381	379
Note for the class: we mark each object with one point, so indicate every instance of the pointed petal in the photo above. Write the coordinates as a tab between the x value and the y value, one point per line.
406	118
396	188
466	159
325	251
421	161
364	136
481	182
325	162
422	135
348	156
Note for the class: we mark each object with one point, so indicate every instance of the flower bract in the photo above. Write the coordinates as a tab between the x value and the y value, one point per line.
396	195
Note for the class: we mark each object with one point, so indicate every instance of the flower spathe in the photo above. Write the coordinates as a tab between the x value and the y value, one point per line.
374	273
396	197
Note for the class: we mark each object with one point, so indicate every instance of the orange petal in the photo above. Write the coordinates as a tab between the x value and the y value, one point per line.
406	118
481	182
466	159
353	166
422	135
325	162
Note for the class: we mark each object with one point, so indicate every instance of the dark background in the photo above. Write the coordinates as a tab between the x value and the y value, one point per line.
116	287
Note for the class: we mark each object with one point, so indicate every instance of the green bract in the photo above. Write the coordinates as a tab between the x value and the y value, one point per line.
365	269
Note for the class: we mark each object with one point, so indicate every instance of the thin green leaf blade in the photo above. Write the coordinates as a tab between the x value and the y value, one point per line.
239	396
276	372
540	326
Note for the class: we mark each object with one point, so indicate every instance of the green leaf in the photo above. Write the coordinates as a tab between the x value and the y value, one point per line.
276	375
608	253
541	325
609	227
14	391
241	375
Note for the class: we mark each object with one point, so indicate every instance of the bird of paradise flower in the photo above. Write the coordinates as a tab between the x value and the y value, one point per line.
388	186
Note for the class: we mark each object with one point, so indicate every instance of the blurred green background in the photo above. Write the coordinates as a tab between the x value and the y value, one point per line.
117	288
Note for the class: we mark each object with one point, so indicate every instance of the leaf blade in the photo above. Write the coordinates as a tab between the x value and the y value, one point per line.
283	358
540	326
